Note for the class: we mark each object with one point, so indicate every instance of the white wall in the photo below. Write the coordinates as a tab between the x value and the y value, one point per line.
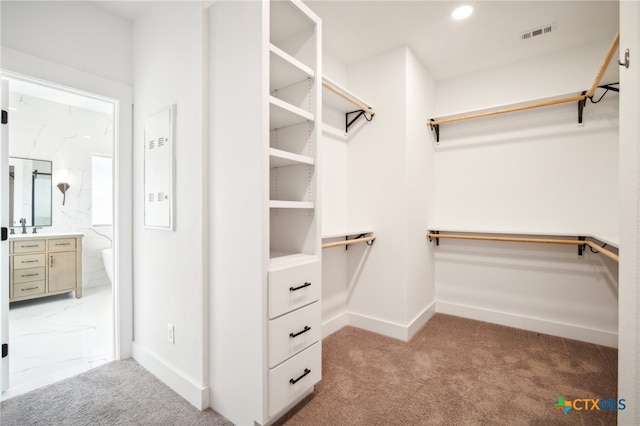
629	326
533	170
420	180
387	291
377	195
170	272
75	33
67	136
558	74
239	189
530	172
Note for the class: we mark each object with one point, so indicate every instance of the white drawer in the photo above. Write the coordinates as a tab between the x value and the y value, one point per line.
294	287
293	332
291	379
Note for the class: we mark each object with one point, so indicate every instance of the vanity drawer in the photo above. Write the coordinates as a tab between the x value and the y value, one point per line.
28	289
28	275
29	261
291	333
62	244
293	287
29	246
291	379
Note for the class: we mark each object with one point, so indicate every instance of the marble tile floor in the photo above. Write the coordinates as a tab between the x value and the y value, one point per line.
56	337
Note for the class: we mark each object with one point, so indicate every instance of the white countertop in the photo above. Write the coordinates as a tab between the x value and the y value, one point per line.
44	235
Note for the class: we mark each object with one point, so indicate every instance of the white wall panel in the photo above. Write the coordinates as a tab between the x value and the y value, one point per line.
169	265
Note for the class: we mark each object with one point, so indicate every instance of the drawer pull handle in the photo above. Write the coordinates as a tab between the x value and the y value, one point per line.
30	246
294	381
29	261
29	275
62	244
51	261
28	289
307	284
306	328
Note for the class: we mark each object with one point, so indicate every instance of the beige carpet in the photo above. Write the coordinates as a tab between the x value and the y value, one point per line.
121	393
453	372
458	372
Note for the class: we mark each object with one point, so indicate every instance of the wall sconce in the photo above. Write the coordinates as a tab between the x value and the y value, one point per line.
63	186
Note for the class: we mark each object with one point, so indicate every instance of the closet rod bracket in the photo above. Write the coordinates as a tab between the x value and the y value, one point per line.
610	87
434	232
435	130
359	113
581	104
369	243
581	247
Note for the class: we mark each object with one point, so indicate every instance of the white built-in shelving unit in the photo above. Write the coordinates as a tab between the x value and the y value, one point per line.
265	302
294	108
295	96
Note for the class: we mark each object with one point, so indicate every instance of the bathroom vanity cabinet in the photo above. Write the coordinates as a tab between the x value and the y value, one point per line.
43	265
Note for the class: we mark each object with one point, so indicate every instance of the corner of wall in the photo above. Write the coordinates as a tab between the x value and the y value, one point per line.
196	395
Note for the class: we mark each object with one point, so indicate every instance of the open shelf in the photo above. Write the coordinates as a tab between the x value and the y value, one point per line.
280	158
278	204
341	103
286	70
297	37
281	259
345	233
283	114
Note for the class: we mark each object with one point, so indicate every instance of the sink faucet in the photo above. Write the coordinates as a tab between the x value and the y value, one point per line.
23	222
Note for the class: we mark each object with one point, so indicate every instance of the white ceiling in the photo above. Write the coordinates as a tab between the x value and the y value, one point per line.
129	10
354	30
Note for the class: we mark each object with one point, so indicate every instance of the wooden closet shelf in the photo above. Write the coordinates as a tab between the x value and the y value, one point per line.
349	242
581	242
435	123
362	107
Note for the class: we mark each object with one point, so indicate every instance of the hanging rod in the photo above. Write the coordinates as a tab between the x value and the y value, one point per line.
434	124
580	242
363	108
349	242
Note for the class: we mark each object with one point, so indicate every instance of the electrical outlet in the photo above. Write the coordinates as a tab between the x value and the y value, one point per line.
171	334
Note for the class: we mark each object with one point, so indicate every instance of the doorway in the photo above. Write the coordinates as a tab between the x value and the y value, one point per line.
56	336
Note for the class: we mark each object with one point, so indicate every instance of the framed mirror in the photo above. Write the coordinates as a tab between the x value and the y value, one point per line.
29	191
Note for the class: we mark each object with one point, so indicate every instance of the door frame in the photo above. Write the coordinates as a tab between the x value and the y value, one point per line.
17	65
4	245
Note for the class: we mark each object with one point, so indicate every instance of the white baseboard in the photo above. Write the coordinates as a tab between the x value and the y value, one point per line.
336	323
420	320
196	395
375	325
567	331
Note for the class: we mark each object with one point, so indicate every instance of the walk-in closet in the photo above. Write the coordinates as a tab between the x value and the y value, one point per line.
377	208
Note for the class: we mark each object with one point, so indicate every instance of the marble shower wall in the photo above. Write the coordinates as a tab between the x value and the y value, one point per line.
68	136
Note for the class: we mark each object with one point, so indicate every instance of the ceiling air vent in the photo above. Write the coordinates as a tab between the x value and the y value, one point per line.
546	29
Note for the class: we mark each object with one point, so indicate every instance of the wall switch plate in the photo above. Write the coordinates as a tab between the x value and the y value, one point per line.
171	334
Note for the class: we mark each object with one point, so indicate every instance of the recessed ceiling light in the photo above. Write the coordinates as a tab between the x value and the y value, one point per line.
462	12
